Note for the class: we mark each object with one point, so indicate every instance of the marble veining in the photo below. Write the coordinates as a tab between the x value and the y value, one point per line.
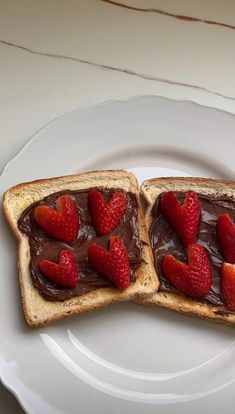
114	68
165	13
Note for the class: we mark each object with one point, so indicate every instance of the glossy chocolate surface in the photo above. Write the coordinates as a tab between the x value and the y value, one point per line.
165	241
43	246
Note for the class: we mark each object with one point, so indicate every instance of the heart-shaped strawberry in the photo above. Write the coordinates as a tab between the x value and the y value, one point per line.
113	264
184	219
194	278
106	216
64	273
63	223
226	235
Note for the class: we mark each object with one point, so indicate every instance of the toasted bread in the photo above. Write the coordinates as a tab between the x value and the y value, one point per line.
150	190
39	311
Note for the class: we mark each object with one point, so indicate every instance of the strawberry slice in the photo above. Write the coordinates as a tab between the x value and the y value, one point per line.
184	219
194	278
226	235
63	223
65	273
106	216
228	284
113	264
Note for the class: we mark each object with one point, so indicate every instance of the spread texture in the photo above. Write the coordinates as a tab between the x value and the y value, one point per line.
164	240
42	246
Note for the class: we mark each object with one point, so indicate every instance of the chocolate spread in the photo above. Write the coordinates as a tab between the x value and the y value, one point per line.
42	246
165	241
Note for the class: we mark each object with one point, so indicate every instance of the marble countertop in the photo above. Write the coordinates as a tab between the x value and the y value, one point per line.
60	55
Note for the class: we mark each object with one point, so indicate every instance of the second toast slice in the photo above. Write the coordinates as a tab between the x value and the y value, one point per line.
220	194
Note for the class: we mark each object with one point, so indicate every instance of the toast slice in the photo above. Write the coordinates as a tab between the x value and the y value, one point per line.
40	311
150	190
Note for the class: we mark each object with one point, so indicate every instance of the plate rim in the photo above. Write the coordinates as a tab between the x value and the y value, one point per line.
100	105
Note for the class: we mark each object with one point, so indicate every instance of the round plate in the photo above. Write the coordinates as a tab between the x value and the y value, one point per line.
125	357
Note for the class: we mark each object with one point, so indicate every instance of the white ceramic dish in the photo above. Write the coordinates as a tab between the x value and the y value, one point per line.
124	358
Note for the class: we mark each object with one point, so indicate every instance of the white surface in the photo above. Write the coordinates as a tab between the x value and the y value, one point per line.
96	361
36	88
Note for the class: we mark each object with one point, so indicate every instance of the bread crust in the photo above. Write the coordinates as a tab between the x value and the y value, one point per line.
150	190
39	311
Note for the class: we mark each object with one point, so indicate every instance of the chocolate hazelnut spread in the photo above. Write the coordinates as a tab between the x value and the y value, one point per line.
165	241
43	246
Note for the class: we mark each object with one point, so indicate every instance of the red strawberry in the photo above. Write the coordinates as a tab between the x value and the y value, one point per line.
226	236
184	219
106	216
228	284
65	273
113	264
193	279
63	223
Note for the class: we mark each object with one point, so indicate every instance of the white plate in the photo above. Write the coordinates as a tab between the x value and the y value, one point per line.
123	358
